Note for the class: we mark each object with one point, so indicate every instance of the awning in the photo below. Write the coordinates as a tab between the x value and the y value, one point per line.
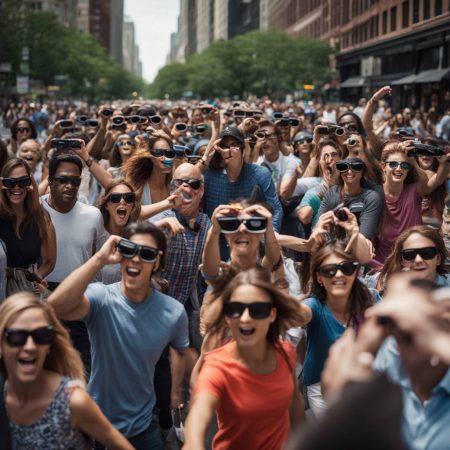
433	76
353	82
410	79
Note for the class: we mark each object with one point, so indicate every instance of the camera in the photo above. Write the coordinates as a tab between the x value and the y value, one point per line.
107	112
93	123
133	119
294	122
66	144
328	129
118	120
425	150
82	119
66	124
340	213
181	127
200	128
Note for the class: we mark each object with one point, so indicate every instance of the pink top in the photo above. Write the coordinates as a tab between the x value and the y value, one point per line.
404	213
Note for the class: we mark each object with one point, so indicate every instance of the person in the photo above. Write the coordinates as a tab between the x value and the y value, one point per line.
366	203
338	300
79	232
419	250
230	177
132	321
46	407
122	151
256	360
30	151
21	130
26	229
403	195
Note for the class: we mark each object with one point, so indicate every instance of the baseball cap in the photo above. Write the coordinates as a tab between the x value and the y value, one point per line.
302	135
234	132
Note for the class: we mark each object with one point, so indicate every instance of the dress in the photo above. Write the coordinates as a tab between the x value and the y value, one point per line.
53	431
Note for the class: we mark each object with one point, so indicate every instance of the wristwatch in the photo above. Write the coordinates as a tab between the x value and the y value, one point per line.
89	161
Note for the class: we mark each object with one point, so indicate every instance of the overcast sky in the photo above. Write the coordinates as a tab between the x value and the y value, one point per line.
154	21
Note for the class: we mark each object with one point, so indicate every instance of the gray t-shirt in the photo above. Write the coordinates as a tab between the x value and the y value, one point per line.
367	206
127	340
78	233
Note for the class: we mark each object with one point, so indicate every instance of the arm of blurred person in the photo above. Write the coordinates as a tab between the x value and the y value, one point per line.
177	371
173	201
425	184
288	184
305	215
367	119
68	299
296	408
267	187
48	252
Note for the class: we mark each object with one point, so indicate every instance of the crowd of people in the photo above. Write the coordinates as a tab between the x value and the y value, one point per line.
227	275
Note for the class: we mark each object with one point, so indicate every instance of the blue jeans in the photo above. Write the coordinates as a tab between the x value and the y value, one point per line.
150	439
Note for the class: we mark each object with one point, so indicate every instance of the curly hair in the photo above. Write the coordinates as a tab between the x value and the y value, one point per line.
30	123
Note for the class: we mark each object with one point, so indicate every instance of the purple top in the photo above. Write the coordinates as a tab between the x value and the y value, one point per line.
404	213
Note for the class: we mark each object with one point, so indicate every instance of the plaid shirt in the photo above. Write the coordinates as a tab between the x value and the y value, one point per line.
183	257
220	191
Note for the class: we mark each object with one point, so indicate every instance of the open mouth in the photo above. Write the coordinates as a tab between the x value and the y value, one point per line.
16	193
133	272
186	196
242	242
121	212
246	331
339	283
27	363
397	175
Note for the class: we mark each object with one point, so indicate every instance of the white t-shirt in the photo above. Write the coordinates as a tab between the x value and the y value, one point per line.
282	168
78	233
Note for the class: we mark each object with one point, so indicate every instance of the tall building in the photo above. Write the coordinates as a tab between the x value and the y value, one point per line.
82	21
116	38
65	10
404	43
128	45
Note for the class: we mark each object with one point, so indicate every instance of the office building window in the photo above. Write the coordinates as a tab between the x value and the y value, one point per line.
437	7
405	14
416	11
384	26
426	9
393	18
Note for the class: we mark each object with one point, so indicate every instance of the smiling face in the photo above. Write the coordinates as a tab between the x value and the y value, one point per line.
17	195
352	177
340	285
135	273
242	243
423	268
119	213
397	175
247	331
25	363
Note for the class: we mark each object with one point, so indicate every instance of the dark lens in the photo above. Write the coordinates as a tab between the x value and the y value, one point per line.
66	124
239	113
356	166
348	268
427	252
405	165
229	224
277	115
134	119
127	248
188	151
284	123
195	184
409	255
44	335
114	198
294	122
8	183
169	154
233	309
16	338
256	224
322	130
260	134
393	164
200	128
339	131
181	127
156	152
118	120
259	310
249	113
107	112
92	123
75	144
341	215
23	182
155	119
148	254
74	181
342	166
82	119
328	270
129	197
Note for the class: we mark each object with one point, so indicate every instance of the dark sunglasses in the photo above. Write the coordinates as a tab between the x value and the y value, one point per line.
404	165
257	310
116	197
410	254
92	123
128	249
41	336
133	119
158	152
293	122
155	119
22	182
347	268
23	130
74	181
344	166
118	120
192	182
82	119
303	141
230	225
264	134
350	128
122	143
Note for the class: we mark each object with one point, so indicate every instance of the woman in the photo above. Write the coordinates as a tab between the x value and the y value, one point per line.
338	300
25	228
365	203
121	152
403	194
21	130
419	249
149	170
46	410
256	361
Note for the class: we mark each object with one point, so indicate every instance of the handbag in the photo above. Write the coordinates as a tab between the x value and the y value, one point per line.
19	280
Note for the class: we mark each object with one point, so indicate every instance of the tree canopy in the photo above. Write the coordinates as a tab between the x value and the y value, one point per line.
56	50
258	63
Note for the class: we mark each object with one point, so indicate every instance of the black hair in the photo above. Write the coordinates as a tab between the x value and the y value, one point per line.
63	158
30	123
361	129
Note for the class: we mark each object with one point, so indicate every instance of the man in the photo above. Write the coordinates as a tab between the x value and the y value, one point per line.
130	324
79	232
285	170
30	151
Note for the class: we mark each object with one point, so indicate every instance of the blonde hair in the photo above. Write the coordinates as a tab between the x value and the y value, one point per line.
62	358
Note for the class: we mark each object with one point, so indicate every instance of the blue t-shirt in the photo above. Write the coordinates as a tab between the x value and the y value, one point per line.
127	340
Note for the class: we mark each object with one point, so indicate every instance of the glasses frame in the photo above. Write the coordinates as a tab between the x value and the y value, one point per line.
354	265
423	252
11	183
256	310
128	197
36	335
137	250
223	220
350	165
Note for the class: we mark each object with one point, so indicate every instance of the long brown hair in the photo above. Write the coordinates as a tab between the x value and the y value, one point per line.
35	214
103	201
139	167
288	308
393	263
388	149
360	297
62	358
